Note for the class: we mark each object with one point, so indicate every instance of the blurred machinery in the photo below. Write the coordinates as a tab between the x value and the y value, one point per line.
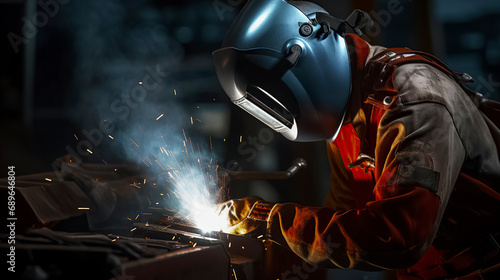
64	230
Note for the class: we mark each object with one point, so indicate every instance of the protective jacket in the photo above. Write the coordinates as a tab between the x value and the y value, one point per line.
415	176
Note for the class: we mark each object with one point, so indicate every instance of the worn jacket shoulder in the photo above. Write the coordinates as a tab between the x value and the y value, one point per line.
420	82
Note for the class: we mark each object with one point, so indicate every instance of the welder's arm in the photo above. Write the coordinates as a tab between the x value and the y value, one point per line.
418	158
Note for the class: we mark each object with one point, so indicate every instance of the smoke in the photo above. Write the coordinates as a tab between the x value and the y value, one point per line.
126	66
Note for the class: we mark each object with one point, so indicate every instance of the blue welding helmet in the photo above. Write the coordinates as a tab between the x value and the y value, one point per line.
287	64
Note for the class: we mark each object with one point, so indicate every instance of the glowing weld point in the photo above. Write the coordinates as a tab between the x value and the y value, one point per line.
159	117
48	179
140	83
88	150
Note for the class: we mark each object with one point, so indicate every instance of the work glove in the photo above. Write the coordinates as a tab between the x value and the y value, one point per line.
247	216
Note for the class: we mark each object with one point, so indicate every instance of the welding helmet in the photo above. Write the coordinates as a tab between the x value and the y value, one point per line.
287	64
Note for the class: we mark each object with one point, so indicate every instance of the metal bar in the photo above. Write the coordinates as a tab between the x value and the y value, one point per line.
297	165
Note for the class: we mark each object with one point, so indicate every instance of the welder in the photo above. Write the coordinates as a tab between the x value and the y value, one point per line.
413	152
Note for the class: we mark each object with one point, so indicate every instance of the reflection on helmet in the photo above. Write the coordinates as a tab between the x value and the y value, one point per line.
287	67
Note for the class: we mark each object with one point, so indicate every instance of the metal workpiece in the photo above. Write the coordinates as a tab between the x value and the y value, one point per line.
298	164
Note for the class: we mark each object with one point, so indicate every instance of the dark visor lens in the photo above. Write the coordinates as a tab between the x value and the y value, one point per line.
256	74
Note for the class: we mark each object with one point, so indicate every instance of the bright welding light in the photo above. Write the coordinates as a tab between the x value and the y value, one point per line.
210	219
197	203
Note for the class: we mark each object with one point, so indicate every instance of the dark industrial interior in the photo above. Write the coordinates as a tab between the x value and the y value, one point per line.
69	85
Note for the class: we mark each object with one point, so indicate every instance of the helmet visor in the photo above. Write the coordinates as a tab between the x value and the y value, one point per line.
252	79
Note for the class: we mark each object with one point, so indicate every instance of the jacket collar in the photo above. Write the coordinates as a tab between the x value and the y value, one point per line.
360	52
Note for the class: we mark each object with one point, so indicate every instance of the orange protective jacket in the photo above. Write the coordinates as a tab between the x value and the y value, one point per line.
415	175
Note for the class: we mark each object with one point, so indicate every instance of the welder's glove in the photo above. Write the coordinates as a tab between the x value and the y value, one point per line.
246	215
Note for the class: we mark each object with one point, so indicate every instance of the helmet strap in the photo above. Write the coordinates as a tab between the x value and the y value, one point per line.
354	23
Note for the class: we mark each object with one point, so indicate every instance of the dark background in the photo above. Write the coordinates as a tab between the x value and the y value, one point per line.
86	54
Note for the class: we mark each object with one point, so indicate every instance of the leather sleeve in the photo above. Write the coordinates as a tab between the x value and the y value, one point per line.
418	158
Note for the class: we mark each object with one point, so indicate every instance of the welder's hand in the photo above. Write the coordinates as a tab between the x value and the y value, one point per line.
246	215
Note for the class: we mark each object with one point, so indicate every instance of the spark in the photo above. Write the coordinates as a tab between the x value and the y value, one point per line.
191	120
241	138
111	137
136	217
159	117
175	92
129	219
83	208
48	179
104	161
198	120
133	229
88	150
184	133
134	142
140	83
75	137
